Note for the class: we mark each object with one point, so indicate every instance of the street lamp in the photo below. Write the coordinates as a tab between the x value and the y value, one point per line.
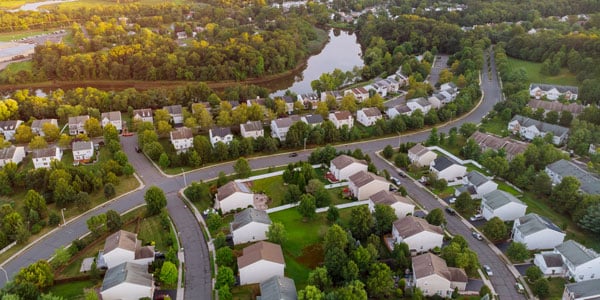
305	142
62	211
184	179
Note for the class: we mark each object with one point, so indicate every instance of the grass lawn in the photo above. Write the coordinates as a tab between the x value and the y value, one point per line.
71	290
495	125
152	231
534	76
245	292
272	187
557	286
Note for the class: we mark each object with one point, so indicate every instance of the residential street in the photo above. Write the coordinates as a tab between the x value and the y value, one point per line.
197	270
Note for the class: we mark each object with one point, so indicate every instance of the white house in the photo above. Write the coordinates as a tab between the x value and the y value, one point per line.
343	166
278	288
360	93
477	185
310	100
124	246
341	118
11	154
580	263
537	232
281	126
43	157
363	184
420	155
419	235
436	100
550	263
402	206
232	196
252	129
82	151
260	262
432	276
558	170
333	94
553	92
9	128
220	134
76	124
398	110
529	129
585	290
182	139
420	103
37	126
114	118
127	281
444	168
143	115
368	116
176	113
312	120
502	205
250	225
289	103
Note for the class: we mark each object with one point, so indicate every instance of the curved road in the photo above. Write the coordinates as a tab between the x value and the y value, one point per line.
197	271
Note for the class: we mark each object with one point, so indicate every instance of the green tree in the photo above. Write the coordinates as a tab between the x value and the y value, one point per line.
485	290
93	128
467	129
35	201
61	256
335	238
163	161
109	190
23	134
292	194
277	233
39	274
517	252
198	191
168	273
113	221
97	224
311	292
361	222
110	133
384	216
319	278
225	277
38	142
541	288
333	214
155	200
224	257
380	282
214	221
533	273
307	207
565	195
591	220
388	152
242	168
495	229
436	217
434	138
465	204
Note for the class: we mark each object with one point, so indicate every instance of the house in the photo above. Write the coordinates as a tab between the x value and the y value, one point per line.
343	166
250	225
127	281
124	246
114	118
420	155
537	232
398	110
487	141
341	118
419	235
43	157
553	92
380	88
310	100
182	139
37	126
445	168
580	263
476	184
77	125
220	134
368	116
9	128
289	103
11	154
312	120
585	290
82	151
260	262
252	129
550	263
332	94
143	115
360	93
232	196
529	129
433	276
363	184
176	113
402	206
449	87
436	101
590	184
281	126
420	103
502	205
278	288
512	148
574	108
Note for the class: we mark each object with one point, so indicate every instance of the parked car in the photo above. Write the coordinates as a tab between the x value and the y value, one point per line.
395	180
452	200
488	270
476	217
520	288
477	235
293	154
401	174
138	150
450	211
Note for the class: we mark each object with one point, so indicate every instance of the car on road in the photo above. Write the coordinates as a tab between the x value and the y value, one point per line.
452	200
401	174
138	150
488	270
476	217
293	154
450	211
477	235
395	180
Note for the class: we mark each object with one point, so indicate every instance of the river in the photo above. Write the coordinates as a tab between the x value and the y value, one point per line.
341	52
35	5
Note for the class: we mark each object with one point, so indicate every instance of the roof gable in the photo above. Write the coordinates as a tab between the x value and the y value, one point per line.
261	251
249	215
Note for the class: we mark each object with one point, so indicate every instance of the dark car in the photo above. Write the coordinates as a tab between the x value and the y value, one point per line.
293	154
450	211
138	150
401	174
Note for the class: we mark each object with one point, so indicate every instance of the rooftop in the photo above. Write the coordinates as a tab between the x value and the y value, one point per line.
587	289
498	198
78	120
82	145
181	133
112	115
313	119
127	272
8	153
343	161
278	288
220	131
371	112
249	215
174	109
418	150
230	188
261	251
560	88
362	178
576	253
253	126
411	225
143	113
533	223
121	239
428	264
45	152
541	126
590	184
573	108
388	198
342	115
442	163
476	178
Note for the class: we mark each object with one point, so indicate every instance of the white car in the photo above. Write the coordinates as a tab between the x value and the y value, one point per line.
488	270
452	200
476	217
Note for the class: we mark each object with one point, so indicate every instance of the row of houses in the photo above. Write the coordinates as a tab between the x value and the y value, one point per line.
446	94
82	152
553	92
529	129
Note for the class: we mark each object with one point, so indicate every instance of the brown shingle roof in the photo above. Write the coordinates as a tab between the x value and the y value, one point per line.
342	115
513	148
428	264
182	133
410	226
488	140
362	178
46	152
112	115
230	188
261	251
143	252
573	108
143	113
371	112
343	161
387	198
418	150
120	239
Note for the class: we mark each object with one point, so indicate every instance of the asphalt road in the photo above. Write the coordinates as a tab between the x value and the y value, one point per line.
197	272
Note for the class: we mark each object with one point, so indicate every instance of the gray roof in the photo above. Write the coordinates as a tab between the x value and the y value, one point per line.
584	289
121	239
143	113
476	178
576	253
388	198
9	124
7	153
498	198
371	112
220	131
589	183
174	109
418	150
248	216
560	88
410	226
112	115
442	163
46	152
39	123
278	288
421	101
313	119
541	126
552	260
78	120
573	108
127	272
82	145
533	223
362	178
252	126
343	161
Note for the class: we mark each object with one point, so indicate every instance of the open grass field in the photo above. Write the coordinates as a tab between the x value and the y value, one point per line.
72	290
533	73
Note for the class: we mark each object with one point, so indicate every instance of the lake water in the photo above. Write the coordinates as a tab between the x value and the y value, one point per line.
341	52
34	6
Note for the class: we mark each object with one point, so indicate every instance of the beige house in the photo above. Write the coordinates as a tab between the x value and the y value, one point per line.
143	115
343	166
127	281
363	184
420	156
252	129
260	262
114	118
419	235
402	206
433	276
341	118
124	246
232	196
250	225
76	124
182	139
37	126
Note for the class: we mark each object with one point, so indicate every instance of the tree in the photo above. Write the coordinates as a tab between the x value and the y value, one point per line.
168	273
434	138
225	277
467	129
110	133
388	152
485	290
35	201
319	278
335	260
214	221
354	290
109	190
292	194
163	161
39	274
591	220
361	222
495	229
436	217
92	127
322	109
517	252
225	293
335	238
113	221
307	207
465	204
533	273
565	195
97	224
311	292
380	282
38	142
333	214
541	288
322	197
23	134
277	233
242	168
198	191
384	216
61	256
155	200
224	257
